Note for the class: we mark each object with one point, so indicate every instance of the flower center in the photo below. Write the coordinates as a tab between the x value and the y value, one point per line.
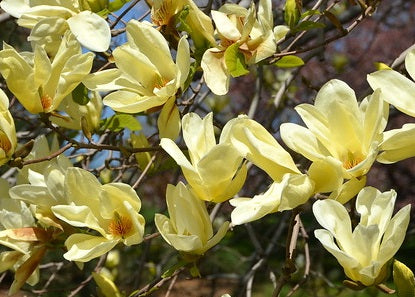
120	225
46	102
352	160
162	15
5	143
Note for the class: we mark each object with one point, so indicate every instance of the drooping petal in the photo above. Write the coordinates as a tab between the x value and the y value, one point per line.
87	22
253	142
215	72
85	247
398	144
78	216
396	89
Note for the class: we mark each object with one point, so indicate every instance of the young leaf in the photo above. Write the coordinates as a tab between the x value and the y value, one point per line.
80	94
307	25
235	61
289	62
404	279
121	121
291	13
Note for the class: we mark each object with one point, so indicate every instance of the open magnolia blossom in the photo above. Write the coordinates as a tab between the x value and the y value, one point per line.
365	251
8	140
216	171
40	84
111	210
165	15
398	90
50	19
244	40
292	191
341	131
146	75
189	228
18	232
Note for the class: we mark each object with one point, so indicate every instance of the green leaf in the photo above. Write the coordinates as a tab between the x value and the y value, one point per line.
307	25
235	61
289	62
121	121
80	94
116	5
180	19
404	280
291	13
309	13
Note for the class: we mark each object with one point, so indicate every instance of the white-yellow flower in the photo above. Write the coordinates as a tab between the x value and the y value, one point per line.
146	75
243	38
215	171
111	210
365	251
8	140
341	131
50	19
189	228
40	84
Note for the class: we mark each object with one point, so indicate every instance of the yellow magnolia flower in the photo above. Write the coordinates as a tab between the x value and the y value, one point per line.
215	171
8	140
163	13
146	75
398	90
242	36
340	131
110	209
365	251
40	84
189	228
50	19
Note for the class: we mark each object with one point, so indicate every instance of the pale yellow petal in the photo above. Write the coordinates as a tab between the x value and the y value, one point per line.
84	247
85	22
396	89
214	71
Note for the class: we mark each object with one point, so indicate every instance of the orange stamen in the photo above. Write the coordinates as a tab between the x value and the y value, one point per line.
120	225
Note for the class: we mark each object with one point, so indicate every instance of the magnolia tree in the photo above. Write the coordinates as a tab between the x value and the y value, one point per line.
108	113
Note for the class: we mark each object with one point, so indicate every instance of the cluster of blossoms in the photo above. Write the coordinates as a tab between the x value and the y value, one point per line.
53	202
